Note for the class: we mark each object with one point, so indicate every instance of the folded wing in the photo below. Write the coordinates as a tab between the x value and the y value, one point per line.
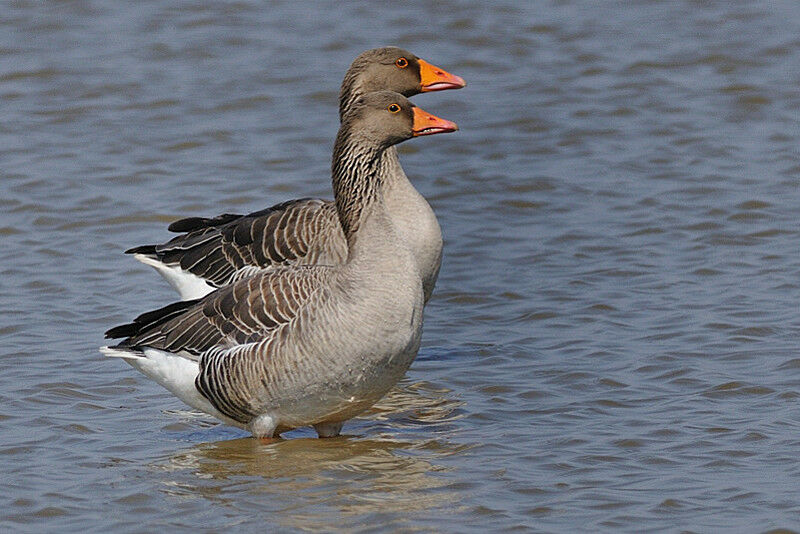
296	232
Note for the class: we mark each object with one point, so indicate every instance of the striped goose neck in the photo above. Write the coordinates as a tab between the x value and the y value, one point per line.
357	169
351	90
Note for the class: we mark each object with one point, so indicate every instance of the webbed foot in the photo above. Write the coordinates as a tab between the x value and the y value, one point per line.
328	430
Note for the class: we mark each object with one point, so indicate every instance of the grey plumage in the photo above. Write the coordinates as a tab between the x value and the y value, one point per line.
223	249
303	345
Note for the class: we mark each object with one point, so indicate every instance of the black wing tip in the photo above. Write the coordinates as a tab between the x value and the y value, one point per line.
169	309
150	319
191	224
187	225
123	330
149	250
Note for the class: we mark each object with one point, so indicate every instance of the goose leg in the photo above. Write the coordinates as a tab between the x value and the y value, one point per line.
263	427
328	430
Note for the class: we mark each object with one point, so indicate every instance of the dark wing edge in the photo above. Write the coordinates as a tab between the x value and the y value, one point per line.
149	320
215	248
245	312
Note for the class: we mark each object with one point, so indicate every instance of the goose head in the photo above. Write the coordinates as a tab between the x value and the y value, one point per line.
394	69
385	118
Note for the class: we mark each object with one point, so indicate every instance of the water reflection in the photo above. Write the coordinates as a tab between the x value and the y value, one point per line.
313	478
310	480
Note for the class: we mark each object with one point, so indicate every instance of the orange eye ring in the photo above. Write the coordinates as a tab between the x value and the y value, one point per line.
393	108
401	62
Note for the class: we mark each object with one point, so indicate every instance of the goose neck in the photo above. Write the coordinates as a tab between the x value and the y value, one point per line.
357	168
350	91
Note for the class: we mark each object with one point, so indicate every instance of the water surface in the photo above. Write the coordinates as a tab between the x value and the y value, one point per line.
612	344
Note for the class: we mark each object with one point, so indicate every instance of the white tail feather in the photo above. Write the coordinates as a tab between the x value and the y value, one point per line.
113	352
189	286
175	373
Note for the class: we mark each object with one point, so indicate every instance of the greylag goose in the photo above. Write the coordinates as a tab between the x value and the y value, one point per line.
212	253
304	345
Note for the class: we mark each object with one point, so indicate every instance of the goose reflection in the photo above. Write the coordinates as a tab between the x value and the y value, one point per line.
306	480
308	483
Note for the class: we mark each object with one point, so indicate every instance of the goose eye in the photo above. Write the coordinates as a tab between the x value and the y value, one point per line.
401	62
394	108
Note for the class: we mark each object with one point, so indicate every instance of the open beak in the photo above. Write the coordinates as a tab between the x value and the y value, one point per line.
432	78
427	124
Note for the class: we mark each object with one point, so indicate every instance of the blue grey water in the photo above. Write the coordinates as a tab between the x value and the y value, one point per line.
613	344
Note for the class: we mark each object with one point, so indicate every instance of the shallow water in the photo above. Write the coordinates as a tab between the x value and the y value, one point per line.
612	344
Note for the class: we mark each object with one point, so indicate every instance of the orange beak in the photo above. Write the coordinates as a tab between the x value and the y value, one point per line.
427	124
432	78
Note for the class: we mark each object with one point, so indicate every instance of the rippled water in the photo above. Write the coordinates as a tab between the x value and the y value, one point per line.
612	344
